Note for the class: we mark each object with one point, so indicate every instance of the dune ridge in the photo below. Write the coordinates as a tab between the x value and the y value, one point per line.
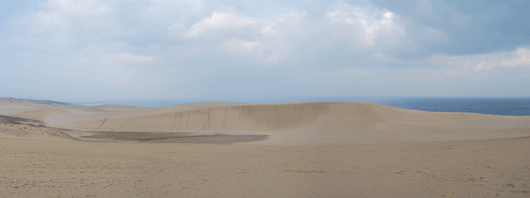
286	123
277	117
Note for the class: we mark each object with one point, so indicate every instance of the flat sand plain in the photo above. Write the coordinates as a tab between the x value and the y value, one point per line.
346	149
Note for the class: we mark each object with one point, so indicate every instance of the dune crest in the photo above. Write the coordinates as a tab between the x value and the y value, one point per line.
276	117
286	123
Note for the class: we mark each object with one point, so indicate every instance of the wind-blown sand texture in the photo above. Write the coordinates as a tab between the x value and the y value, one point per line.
339	149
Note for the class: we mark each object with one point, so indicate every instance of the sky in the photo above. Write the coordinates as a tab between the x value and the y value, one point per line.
123	50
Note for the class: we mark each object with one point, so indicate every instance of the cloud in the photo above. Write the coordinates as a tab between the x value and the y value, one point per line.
177	29
482	66
438	74
368	28
506	59
520	59
274	57
408	30
196	3
245	45
453	73
466	28
79	7
126	57
354	73
196	40
117	74
477	66
218	23
61	24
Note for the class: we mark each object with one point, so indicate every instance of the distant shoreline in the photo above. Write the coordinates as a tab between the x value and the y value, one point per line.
507	106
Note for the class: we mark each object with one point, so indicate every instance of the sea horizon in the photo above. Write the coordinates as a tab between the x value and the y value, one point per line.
508	106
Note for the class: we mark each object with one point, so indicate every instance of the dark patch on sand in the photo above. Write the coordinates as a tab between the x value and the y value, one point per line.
174	137
19	120
213	139
145	137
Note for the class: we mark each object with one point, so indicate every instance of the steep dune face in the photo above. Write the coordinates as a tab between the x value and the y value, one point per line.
288	117
287	123
262	117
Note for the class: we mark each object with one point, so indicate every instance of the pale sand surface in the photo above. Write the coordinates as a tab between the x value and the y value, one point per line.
285	123
342	149
479	168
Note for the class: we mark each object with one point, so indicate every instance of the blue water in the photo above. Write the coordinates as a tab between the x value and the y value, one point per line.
495	106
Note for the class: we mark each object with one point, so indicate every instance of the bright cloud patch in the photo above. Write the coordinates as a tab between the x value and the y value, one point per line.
196	3
128	58
368	27
218	23
483	66
245	45
521	59
479	63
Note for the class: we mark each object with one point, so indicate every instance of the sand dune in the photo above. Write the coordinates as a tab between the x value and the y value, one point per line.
479	168
286	123
338	149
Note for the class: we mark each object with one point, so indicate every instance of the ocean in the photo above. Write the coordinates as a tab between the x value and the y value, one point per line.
510	106
493	106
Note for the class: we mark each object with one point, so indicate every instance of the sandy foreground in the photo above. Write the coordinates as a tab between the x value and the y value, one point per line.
346	149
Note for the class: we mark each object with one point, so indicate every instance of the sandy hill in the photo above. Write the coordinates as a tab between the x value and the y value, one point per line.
328	149
286	123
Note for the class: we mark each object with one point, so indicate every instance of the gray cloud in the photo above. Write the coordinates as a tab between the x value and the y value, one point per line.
193	48
466	27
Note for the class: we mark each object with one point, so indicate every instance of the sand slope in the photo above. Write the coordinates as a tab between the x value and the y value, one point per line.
286	123
345	149
479	168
